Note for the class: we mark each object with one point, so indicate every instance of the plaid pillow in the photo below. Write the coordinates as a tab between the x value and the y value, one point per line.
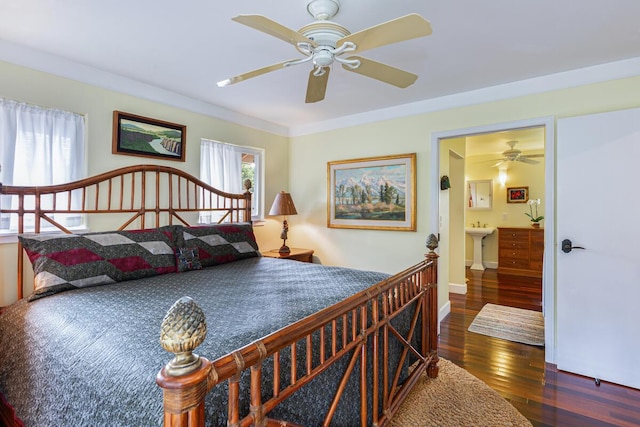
69	261
220	243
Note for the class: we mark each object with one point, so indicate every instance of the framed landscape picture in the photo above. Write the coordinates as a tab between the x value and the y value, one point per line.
377	193
141	136
517	194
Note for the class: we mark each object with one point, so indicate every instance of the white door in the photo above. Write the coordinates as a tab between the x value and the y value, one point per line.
598	208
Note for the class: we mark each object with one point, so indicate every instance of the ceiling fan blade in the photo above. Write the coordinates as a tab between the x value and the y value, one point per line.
266	25
317	86
487	161
250	74
527	160
533	155
498	164
383	72
400	29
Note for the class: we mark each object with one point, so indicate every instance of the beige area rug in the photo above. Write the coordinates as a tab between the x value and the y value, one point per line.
455	399
510	323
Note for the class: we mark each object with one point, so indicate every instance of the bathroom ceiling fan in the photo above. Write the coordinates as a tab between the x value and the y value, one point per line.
324	42
515	155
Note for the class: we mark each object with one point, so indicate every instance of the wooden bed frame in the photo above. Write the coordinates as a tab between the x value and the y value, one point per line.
358	329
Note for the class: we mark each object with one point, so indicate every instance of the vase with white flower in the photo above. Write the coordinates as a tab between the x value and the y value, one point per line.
533	213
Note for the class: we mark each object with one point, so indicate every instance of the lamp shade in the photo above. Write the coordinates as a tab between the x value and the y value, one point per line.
283	205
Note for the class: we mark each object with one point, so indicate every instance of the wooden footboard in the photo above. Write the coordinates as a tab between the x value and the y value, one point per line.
358	329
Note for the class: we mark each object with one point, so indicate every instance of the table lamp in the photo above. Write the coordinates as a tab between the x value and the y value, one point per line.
283	205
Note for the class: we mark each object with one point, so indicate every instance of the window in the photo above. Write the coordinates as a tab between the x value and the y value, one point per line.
39	146
227	166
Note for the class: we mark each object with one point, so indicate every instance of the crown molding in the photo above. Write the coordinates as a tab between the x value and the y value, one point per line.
63	67
579	77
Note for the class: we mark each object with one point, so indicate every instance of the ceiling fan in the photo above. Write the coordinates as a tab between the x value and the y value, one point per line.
324	42
515	155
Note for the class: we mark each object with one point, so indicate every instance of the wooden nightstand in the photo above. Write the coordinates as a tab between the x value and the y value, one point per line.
296	254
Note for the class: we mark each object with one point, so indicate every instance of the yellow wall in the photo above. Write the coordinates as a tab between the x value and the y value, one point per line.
300	163
390	250
98	104
452	213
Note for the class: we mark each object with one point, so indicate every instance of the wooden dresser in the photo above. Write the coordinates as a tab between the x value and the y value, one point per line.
520	251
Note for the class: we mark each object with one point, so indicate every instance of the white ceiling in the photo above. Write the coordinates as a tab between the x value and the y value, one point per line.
185	47
528	140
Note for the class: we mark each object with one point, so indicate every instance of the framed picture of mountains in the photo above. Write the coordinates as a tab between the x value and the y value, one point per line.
141	136
375	193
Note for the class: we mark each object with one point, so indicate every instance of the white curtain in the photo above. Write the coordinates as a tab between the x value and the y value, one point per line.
39	146
220	167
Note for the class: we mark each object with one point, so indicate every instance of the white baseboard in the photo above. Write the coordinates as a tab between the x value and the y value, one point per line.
456	288
443	312
487	264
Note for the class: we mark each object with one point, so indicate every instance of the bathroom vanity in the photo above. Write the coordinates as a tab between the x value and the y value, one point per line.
520	251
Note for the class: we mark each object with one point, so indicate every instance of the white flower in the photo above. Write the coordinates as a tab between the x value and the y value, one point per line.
534	218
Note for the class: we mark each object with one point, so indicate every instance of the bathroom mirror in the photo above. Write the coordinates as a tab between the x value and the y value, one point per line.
480	194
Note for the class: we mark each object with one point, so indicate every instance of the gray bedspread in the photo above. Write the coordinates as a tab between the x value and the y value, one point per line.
90	356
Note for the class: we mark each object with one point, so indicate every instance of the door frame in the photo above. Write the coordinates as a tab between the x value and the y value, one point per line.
548	270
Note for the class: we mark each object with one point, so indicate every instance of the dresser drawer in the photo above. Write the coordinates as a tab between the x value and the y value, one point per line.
537	236
514	234
513	244
514	263
513	254
537	240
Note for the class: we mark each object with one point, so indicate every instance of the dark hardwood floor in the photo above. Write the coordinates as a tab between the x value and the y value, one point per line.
546	396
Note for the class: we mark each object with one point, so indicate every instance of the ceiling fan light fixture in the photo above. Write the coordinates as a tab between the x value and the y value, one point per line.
323	58
323	9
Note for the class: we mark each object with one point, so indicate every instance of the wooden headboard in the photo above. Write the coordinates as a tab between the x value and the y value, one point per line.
147	195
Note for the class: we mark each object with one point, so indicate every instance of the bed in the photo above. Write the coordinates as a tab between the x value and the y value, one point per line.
157	321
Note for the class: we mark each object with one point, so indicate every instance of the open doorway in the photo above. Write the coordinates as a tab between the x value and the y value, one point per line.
505	192
487	169
504	213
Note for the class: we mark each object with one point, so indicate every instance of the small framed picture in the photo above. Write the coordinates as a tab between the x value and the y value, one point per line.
517	194
141	136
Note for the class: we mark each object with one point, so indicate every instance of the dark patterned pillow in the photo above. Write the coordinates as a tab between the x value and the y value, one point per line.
220	243
69	261
188	259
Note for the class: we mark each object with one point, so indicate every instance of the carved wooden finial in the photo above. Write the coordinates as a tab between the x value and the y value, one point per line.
183	329
432	242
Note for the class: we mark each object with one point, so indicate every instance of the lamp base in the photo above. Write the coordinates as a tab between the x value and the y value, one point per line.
284	250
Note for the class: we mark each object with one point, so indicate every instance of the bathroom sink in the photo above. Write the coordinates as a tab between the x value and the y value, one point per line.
477	234
479	231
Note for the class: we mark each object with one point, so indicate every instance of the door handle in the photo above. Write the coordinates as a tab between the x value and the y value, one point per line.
567	246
